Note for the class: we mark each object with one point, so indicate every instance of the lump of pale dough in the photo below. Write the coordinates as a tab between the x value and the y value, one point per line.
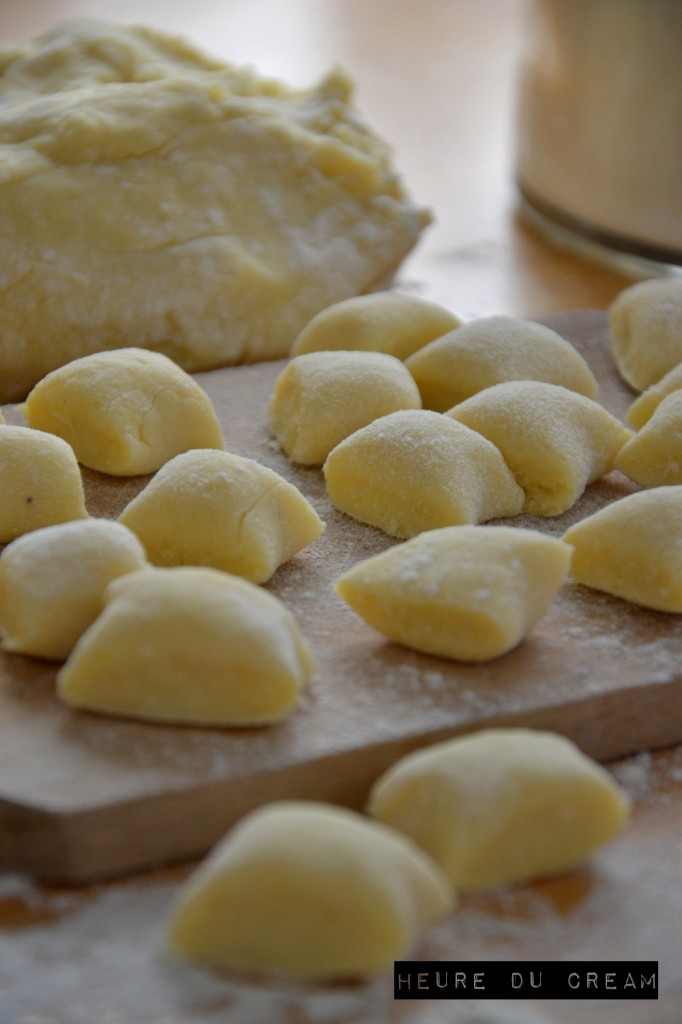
465	592
41	482
322	397
416	470
188	645
308	891
216	509
502	806
382	322
633	549
653	457
153	196
643	407
646	330
52	583
554	441
490	351
124	412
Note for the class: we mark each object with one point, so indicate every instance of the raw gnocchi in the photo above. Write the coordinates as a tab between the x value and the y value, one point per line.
646	330
653	457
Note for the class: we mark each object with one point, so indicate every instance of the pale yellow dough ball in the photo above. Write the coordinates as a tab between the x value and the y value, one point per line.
646	330
653	457
221	510
52	583
321	398
465	592
124	412
643	407
189	645
502	806
308	891
41	482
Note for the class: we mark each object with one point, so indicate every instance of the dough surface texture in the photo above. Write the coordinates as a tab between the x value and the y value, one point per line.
411	471
309	891
465	592
322	397
155	196
653	457
493	350
502	806
220	510
189	645
124	412
643	407
646	330
52	583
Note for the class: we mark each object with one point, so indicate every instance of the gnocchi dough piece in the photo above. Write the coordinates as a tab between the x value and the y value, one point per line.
308	891
493	350
502	806
322	397
633	549
554	441
653	457
465	592
646	331
644	407
381	322
411	471
41	482
124	412
189	645
52	583
221	510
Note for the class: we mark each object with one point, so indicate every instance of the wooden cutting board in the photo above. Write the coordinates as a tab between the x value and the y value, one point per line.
84	797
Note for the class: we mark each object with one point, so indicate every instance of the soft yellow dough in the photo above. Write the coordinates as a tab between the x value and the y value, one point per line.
646	330
465	592
154	196
633	549
653	457
321	398
554	441
221	510
41	482
382	322
308	891
124	412
643	407
417	470
189	645
490	351
52	583
502	806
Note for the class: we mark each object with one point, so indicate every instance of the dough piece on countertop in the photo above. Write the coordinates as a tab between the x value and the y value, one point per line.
411	471
52	583
646	330
154	196
653	457
322	397
493	350
465	592
213	508
189	645
41	482
502	806
381	322
643	407
309	891
633	549
554	441
124	412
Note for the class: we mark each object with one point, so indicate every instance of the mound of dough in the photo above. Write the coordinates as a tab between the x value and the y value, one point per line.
465	592
502	806
411	471
493	350
220	510
633	549
124	412
382	322
154	196
309	891
322	397
188	645
554	441
646	331
52	583
41	482
643	407
653	457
